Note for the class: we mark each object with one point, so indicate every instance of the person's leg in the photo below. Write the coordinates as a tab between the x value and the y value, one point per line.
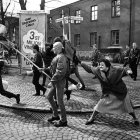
79	77
35	81
60	93
135	71
44	80
136	122
92	117
67	92
7	93
72	81
50	97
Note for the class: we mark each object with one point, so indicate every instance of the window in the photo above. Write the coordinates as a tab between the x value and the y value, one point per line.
77	40
93	38
50	22
94	12
115	37
50	19
115	8
78	14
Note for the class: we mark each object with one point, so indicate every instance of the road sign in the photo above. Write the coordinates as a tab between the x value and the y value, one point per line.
76	18
61	19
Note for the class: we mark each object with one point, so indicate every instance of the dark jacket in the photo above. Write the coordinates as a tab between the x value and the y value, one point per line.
111	83
1	65
38	61
134	56
47	56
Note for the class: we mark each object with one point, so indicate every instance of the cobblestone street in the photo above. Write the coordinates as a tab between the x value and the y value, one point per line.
28	120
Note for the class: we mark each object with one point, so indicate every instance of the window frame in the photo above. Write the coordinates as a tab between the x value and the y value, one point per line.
93	13
77	42
114	7
115	39
78	15
93	38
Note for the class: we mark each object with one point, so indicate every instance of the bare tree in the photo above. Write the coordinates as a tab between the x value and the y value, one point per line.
23	4
3	12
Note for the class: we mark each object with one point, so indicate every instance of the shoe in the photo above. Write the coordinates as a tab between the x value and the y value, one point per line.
82	88
136	123
60	124
44	91
18	98
53	119
68	93
36	94
89	122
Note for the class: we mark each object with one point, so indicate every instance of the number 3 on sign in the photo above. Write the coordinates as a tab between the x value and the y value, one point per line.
32	35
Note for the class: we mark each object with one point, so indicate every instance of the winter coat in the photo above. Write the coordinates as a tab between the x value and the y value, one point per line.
111	83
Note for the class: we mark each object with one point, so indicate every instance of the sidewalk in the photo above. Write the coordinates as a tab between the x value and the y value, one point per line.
80	102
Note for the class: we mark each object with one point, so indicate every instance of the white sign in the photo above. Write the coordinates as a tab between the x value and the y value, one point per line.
33	30
76	18
61	19
68	18
32	37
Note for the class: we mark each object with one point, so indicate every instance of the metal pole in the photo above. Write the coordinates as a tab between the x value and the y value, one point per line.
69	22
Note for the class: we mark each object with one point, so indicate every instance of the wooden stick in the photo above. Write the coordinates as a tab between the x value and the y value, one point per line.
12	45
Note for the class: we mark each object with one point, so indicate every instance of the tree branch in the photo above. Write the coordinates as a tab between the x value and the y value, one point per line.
25	2
7	6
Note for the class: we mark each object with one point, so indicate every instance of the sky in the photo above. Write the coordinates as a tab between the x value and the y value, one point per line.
35	4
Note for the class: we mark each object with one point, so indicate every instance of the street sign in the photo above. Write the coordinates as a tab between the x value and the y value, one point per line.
61	19
76	18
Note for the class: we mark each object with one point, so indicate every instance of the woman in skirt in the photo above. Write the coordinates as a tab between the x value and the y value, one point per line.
114	99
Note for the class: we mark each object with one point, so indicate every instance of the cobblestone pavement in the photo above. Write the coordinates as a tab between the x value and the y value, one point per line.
26	124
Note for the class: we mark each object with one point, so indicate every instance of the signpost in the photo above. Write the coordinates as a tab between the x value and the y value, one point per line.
68	19
33	30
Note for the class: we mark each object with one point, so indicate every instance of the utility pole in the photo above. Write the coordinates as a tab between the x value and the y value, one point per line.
69	25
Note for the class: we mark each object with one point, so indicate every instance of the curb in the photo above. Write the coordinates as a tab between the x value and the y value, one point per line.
49	111
44	110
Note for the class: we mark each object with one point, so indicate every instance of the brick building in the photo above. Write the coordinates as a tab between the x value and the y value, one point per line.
105	23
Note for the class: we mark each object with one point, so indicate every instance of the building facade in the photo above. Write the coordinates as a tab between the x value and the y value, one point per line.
105	23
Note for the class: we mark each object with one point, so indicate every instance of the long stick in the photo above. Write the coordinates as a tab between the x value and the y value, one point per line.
12	45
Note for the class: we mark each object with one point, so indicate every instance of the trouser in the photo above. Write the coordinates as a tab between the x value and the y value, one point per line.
58	89
133	67
78	76
4	92
38	87
70	80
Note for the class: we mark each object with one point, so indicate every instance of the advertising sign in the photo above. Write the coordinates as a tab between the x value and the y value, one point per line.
32	31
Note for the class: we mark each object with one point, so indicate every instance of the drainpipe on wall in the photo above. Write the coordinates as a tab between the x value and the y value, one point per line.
130	23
